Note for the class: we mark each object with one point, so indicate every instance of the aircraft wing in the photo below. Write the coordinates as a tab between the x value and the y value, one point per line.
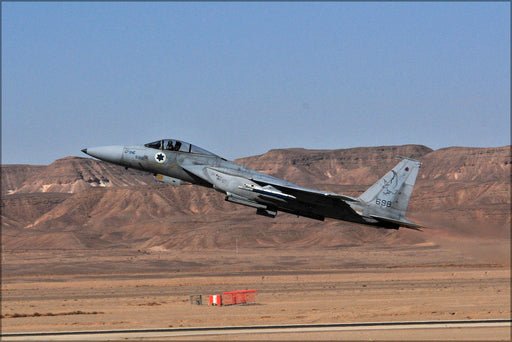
306	195
402	223
314	197
292	192
318	197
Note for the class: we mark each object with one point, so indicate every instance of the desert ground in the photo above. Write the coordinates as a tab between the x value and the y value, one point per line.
112	289
91	246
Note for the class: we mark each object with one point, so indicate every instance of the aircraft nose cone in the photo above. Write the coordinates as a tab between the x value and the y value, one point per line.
112	154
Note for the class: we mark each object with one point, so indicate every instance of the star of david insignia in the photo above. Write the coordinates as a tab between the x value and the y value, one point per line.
160	157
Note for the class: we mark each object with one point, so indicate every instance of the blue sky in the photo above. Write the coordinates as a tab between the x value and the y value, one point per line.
239	79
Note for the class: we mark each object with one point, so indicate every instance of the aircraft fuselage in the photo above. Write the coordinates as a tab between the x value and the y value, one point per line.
173	161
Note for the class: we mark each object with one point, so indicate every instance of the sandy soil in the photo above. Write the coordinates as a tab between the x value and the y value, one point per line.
69	290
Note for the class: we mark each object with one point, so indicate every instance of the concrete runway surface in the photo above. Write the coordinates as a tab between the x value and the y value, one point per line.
485	330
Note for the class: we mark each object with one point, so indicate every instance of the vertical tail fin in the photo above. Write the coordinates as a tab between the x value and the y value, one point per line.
389	197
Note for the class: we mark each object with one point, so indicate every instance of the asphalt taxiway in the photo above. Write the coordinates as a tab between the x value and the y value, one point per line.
409	330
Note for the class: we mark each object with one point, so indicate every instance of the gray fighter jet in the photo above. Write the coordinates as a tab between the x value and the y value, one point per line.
172	161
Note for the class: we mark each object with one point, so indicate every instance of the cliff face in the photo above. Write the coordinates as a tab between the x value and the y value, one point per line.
77	203
13	176
466	190
347	167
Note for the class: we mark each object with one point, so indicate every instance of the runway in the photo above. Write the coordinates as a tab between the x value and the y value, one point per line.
409	330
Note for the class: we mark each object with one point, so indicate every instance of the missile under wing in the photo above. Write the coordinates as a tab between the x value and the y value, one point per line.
172	161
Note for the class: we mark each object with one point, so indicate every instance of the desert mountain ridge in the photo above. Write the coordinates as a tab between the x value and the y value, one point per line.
82	203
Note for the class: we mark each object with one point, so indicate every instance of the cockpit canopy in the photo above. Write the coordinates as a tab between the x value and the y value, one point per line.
177	145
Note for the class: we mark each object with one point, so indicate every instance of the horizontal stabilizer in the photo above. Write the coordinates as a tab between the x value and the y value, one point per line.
402	223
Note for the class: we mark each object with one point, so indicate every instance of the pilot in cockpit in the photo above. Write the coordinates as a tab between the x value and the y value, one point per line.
178	145
169	146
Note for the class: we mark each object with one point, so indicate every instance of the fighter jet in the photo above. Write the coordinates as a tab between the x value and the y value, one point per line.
172	161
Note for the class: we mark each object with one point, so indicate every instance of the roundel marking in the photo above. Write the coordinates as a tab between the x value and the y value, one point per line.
160	157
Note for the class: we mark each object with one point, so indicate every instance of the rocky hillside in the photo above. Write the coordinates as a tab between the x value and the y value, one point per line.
80	203
68	175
